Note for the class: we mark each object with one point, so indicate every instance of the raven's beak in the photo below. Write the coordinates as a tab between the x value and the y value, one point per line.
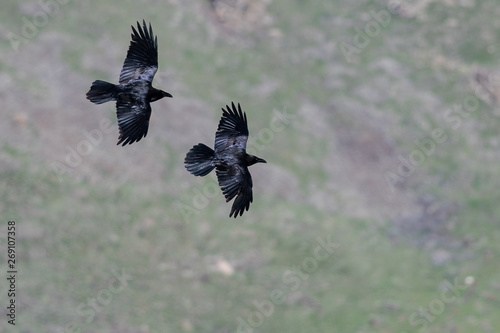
166	94
260	160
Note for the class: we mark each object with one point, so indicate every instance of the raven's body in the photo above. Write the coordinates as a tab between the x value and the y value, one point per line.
229	158
134	93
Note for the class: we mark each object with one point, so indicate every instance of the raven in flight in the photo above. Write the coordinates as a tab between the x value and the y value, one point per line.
134	93
229	159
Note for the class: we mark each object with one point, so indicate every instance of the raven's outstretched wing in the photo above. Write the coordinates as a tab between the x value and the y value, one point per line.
133	119
232	130
142	56
235	180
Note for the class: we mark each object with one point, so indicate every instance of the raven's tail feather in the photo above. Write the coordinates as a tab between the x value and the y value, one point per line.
200	160
101	92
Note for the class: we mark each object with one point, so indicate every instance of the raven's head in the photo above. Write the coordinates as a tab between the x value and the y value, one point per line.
251	160
157	94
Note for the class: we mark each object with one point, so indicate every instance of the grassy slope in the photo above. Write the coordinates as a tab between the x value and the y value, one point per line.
119	209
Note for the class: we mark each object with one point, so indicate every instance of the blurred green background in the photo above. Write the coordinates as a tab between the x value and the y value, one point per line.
379	122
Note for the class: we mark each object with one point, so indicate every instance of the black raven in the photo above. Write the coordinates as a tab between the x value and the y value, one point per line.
229	159
134	92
